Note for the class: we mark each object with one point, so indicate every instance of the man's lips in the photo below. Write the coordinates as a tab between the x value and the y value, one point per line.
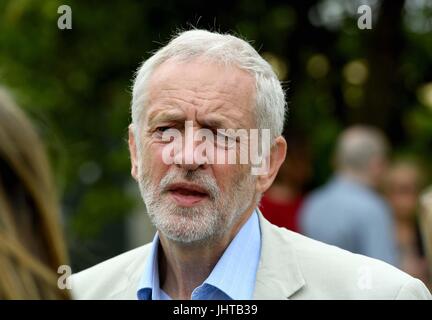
187	194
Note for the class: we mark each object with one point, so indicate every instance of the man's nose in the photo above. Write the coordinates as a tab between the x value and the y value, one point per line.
189	159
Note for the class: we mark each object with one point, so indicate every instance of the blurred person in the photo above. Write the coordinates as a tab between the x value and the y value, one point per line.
31	242
212	242
348	212
403	185
425	220
282	202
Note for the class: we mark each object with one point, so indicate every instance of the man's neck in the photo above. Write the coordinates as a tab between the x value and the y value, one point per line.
183	267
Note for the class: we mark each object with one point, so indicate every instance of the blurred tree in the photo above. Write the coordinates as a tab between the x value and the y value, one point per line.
383	88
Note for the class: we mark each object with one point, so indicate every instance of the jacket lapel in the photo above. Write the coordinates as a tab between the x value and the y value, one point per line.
131	276
279	275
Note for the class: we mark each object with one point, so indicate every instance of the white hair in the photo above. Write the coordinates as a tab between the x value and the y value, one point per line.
228	50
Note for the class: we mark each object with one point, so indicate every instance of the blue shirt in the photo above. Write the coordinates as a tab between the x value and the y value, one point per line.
351	216
232	278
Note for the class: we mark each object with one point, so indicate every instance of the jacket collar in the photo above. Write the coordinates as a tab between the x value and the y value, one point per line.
131	276
279	275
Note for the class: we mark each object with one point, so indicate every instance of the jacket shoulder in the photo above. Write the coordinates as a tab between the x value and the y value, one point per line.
333	273
105	279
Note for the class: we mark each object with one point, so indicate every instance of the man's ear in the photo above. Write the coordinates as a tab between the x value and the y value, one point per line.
277	157
133	152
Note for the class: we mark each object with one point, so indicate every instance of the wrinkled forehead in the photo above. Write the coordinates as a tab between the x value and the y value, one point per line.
206	70
203	85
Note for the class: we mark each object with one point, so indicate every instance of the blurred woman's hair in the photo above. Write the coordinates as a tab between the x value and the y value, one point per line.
411	164
31	243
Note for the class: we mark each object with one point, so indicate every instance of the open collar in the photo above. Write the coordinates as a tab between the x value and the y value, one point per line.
278	277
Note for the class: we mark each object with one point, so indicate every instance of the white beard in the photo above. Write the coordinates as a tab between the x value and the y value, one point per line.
204	222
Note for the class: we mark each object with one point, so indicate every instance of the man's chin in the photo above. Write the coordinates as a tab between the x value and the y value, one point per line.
186	225
196	212
186	230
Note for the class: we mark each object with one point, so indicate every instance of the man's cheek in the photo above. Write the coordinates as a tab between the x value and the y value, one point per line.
151	152
154	165
159	156
222	175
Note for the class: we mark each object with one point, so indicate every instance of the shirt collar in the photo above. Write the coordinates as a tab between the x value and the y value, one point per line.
150	277
234	274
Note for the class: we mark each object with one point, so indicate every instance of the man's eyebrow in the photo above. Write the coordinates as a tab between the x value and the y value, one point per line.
164	116
212	123
215	122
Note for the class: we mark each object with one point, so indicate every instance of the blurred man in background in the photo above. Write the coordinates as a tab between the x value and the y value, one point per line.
347	212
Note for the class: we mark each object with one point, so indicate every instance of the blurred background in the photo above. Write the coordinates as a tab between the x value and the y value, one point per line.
75	85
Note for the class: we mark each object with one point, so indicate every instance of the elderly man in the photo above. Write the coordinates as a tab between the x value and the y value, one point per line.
347	212
212	241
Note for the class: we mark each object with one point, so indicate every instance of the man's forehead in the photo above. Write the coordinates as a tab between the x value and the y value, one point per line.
209	87
201	74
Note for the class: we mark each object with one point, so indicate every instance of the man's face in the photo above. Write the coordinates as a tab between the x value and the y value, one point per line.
197	201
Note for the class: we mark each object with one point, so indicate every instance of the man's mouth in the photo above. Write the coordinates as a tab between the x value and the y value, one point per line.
187	194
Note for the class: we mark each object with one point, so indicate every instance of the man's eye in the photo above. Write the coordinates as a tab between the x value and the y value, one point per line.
162	129
159	132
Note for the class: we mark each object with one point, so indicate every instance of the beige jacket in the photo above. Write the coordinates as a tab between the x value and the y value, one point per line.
291	267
